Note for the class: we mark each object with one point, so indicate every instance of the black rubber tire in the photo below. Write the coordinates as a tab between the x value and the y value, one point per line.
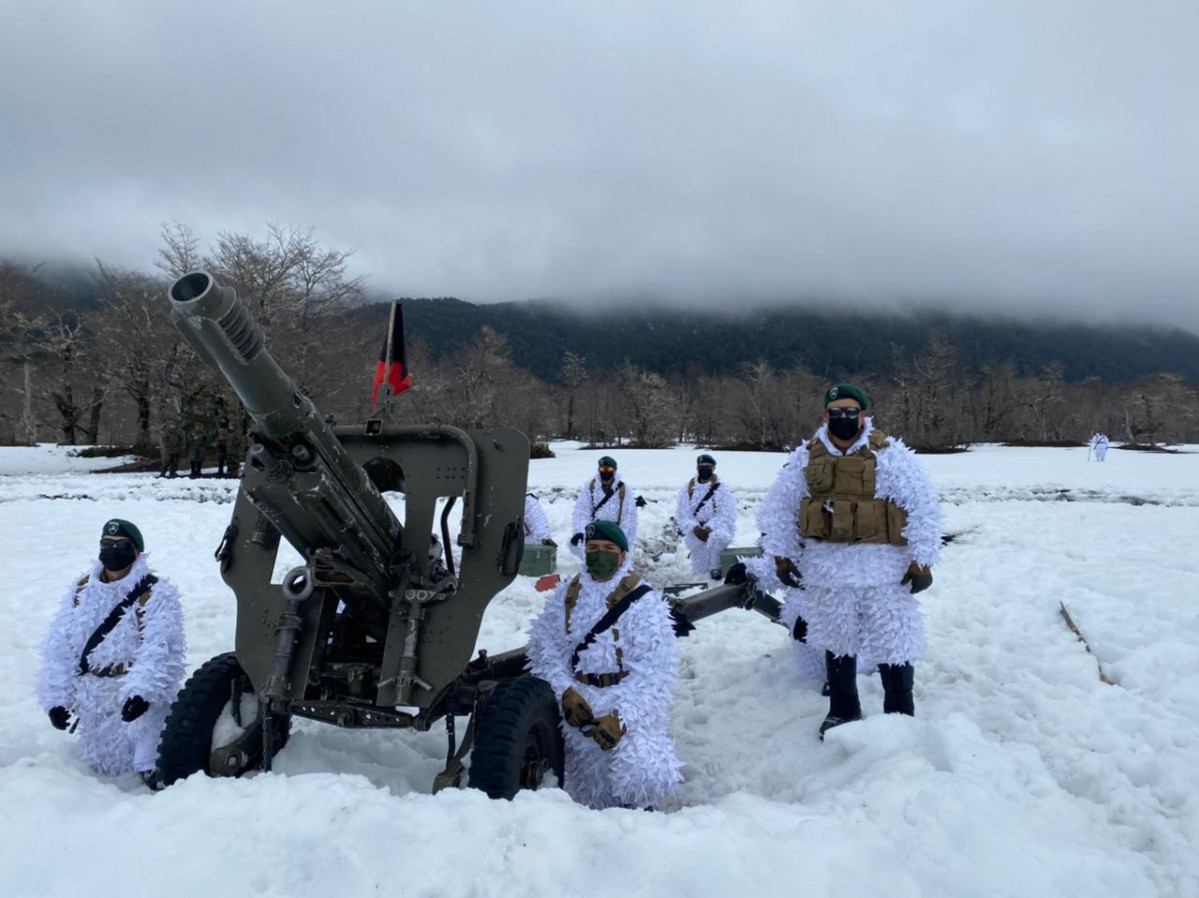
187	734
517	740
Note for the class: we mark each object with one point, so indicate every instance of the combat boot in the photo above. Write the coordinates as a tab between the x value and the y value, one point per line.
843	704
897	688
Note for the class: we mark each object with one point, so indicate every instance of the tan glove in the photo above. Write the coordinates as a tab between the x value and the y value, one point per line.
606	730
575	710
701	532
785	570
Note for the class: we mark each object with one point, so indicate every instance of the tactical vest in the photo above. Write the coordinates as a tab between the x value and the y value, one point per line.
626	585
843	507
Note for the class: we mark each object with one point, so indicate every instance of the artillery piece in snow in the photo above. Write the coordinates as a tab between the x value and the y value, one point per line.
373	629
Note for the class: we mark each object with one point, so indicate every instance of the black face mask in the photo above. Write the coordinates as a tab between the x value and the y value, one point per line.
117	556
844	429
704	472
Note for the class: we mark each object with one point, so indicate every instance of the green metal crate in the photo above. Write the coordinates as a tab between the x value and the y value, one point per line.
730	555
539	561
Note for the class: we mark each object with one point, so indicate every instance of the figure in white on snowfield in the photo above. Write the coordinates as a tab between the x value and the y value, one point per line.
1098	445
113	660
606	645
537	525
605	497
854	515
707	517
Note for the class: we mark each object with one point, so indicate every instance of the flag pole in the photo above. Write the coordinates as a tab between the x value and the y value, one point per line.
388	393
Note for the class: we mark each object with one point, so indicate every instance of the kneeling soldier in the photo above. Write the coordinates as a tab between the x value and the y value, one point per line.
113	659
606	645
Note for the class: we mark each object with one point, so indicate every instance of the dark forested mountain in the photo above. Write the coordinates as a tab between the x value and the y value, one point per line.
828	343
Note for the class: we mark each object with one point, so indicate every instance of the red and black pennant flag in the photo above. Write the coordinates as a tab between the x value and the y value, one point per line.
392	368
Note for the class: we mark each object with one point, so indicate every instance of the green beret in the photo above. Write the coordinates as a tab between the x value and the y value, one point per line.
608	530
705	459
846	391
119	527
607	460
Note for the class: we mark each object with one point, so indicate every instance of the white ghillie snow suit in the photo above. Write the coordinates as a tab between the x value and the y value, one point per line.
717	511
852	599
642	768
594	505
1099	444
144	654
537	525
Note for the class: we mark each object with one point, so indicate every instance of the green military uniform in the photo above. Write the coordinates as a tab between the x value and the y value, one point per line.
197	446
172	448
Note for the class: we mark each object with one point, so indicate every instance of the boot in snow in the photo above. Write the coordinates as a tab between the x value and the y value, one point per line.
843	704
897	688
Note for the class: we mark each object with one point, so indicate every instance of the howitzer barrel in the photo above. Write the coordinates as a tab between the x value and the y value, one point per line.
308	485
221	329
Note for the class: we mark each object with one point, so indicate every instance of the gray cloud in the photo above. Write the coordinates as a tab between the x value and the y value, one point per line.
986	156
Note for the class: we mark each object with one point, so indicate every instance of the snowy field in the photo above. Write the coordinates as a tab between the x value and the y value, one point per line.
1022	775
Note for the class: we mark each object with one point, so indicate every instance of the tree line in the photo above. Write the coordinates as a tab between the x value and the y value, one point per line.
95	360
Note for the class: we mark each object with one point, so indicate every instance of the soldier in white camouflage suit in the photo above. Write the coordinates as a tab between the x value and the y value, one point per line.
606	646
707	516
113	660
854	520
605	497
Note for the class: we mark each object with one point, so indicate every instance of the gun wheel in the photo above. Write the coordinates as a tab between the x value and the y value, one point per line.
215	725
517	741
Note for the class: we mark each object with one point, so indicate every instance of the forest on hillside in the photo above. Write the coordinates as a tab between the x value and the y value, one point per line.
90	357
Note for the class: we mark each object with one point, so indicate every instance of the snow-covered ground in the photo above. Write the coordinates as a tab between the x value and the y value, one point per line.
1022	774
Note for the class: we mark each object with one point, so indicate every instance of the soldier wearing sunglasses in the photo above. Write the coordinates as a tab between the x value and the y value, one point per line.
854	527
113	660
605	497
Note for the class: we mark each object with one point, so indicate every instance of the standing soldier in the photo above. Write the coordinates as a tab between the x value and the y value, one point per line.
197	447
855	516
113	659
605	498
606	646
221	442
1099	446
236	448
707	517
172	448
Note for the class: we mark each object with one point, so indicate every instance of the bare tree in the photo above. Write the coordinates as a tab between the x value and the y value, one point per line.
573	375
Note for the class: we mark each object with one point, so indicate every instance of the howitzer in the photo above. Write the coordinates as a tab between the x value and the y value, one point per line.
374	629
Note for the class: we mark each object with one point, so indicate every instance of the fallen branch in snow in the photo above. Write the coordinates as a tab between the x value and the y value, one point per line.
1103	677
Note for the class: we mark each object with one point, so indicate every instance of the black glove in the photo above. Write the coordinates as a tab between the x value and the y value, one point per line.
59	717
576	539
921	578
800	631
135	707
639	502
548	542
737	574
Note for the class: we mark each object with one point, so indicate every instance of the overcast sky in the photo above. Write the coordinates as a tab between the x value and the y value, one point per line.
1027	156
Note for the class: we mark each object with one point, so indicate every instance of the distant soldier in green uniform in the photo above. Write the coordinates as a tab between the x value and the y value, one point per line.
197	447
223	441
172	448
229	449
